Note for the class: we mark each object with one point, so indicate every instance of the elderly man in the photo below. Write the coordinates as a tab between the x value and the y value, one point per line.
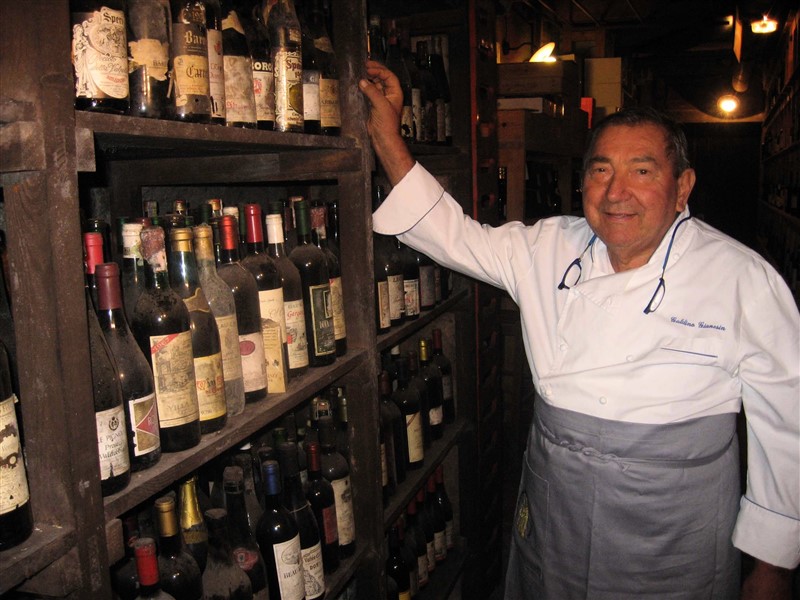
646	332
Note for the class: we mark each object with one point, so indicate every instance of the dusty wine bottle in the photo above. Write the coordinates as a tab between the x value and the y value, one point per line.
179	572
222	577
285	44
319	235
240	101
191	96
216	61
148	57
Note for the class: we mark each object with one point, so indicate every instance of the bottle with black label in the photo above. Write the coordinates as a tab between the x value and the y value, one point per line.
191	96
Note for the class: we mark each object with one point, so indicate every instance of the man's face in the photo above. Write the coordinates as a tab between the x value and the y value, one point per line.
630	193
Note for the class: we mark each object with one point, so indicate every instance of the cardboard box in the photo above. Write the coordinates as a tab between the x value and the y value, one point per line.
558	78
537	105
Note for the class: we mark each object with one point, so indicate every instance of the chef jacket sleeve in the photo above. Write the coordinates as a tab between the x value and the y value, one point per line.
768	525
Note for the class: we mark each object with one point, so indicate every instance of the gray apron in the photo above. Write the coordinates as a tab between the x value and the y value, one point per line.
622	511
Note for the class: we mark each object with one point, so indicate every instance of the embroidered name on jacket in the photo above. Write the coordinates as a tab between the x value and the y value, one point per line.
699	325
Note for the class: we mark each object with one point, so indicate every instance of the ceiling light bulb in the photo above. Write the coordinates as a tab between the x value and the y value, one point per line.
728	103
765	25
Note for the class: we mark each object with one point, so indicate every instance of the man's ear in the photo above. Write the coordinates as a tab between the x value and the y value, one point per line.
686	182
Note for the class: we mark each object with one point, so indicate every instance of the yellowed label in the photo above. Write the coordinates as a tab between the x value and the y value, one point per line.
254	365
210	383
173	372
329	110
337	304
273	353
13	480
112	442
229	340
343	500
150	54
296	340
100	54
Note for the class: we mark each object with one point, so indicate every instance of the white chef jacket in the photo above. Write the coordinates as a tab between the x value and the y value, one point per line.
727	332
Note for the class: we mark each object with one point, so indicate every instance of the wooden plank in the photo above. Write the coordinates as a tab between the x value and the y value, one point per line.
21	147
46	544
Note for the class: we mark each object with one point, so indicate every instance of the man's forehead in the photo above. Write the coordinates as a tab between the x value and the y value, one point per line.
637	138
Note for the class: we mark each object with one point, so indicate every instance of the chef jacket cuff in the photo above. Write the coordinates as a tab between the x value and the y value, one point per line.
766	535
410	200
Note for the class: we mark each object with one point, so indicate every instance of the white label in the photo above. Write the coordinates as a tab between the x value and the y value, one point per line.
13	480
144	418
436	415
288	563
343	499
439	545
210	382
270	304
296	340
229	341
264	90
173	372
216	74
422	569
447	387
240	102
448	534
311	95
411	289
397	298
112	443
414	431
337	304
313	573
151	55
329	112
427	285
430	555
384	318
287	70
100	54
254	367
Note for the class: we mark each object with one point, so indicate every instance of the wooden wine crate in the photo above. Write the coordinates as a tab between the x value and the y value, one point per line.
560	78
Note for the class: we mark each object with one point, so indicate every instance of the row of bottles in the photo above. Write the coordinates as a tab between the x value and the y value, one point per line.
419	541
423	74
781	239
243	63
781	183
267	520
208	333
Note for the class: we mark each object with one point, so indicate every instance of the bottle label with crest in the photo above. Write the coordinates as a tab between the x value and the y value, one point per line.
411	291
13	480
173	372
100	54
296	339
322	319
144	417
288	89
343	500
288	563
240	102
254	366
313	573
210	382
264	90
112	442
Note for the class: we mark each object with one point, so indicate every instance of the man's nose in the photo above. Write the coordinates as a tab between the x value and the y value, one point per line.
617	189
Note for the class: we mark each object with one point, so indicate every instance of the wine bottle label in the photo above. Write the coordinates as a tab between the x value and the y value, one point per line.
150	55
288	563
422	569
216	74
254	366
144	418
439	546
384	468
384	318
411	289
271	307
273	354
397	298
296	340
330	114
190	64
330	528
100	54
430	555
313	573
229	343
337	306
414	433
311	95
343	496
404	595
447	387
112	443
436	415
13	480
449	534
246	558
407	122
264	90
322	320
288	68
416	113
240	103
427	285
210	381
173	372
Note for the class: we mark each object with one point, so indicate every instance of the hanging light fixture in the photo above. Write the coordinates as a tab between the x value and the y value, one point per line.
544	54
728	104
765	25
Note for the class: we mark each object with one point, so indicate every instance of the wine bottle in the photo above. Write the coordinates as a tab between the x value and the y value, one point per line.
147	570
409	558
222	578
396	566
193	528
336	470
315	279
289	229
410	281
263	77
386	439
310	77
502	193
429	92
397	424
426	525
321	497
432	377
148	57
436	517
448	386
191	96
376	46
101	69
293	311
132	267
136	378
443	500
436	62
329	108
240	100
415	539
216	61
124	579
179	571
279	540
16	516
270	295
252	505
206	348
294	501
416	382
109	410
416	94
162	327
286	48
395	63
427	281
407	400
244	547
223	307
343	431
319	235
248	312
383	320
93	256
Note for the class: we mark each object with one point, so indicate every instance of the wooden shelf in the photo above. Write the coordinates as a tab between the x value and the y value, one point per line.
792	220
46	544
793	147
338	580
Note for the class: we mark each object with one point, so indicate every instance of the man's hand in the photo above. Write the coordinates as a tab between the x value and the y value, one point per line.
767	582
382	89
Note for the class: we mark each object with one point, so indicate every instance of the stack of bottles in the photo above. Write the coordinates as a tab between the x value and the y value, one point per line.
419	541
242	63
185	332
416	404
407	282
267	520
